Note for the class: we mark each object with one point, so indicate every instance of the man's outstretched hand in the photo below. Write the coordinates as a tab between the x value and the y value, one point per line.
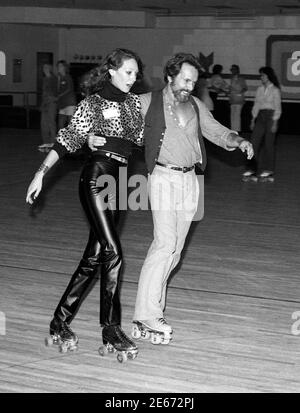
246	146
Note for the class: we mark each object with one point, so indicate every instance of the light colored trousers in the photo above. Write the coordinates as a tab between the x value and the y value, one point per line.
174	200
235	117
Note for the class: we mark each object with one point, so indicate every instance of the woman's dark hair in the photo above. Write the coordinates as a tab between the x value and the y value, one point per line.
217	69
269	72
93	81
236	67
173	66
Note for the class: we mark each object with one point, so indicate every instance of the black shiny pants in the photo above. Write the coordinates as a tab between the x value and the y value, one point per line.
103	254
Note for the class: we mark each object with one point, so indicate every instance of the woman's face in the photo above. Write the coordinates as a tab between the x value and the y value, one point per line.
234	70
124	77
61	69
264	78
47	69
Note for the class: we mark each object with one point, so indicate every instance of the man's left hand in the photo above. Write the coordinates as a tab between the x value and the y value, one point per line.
246	146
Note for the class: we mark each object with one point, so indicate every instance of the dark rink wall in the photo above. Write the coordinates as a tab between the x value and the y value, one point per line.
245	42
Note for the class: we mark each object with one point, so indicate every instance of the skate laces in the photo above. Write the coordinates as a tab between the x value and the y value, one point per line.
120	333
164	324
162	321
65	331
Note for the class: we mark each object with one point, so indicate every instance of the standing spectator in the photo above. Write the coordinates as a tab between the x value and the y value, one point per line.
237	90
66	95
266	112
217	84
48	108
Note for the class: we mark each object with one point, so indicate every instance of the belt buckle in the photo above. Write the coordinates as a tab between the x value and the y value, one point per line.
118	158
111	155
123	160
185	169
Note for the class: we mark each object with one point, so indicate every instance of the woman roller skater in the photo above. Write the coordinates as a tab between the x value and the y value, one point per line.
113	112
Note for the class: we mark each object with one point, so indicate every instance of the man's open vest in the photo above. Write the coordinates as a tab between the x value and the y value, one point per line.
155	127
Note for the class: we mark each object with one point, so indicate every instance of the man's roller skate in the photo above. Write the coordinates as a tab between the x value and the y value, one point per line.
115	341
157	330
62	335
249	176
266	176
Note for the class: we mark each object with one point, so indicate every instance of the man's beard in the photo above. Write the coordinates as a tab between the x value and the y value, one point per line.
180	96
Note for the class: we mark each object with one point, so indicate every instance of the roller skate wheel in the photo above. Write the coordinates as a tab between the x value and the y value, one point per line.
48	341
146	334
156	338
165	341
251	178
267	179
122	357
110	348
131	355
103	350
63	348
136	333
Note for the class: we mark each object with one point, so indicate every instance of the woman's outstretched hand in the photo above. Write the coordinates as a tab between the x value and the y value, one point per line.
34	188
95	141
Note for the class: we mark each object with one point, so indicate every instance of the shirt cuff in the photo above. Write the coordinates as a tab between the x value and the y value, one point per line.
229	148
59	149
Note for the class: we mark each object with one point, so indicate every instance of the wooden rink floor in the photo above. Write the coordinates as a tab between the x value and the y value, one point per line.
230	302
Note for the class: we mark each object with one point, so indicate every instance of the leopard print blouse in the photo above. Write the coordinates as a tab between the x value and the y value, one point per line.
104	118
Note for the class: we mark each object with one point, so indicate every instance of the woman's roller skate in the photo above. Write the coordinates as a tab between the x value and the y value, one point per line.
115	341
157	330
249	176
62	335
266	176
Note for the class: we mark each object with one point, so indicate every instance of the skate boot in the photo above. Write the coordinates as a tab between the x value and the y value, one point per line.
115	341
249	176
266	176
157	330
62	335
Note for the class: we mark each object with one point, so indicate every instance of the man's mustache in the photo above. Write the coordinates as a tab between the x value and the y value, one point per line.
183	90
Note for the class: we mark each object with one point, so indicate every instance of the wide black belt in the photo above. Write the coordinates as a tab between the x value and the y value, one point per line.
176	168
